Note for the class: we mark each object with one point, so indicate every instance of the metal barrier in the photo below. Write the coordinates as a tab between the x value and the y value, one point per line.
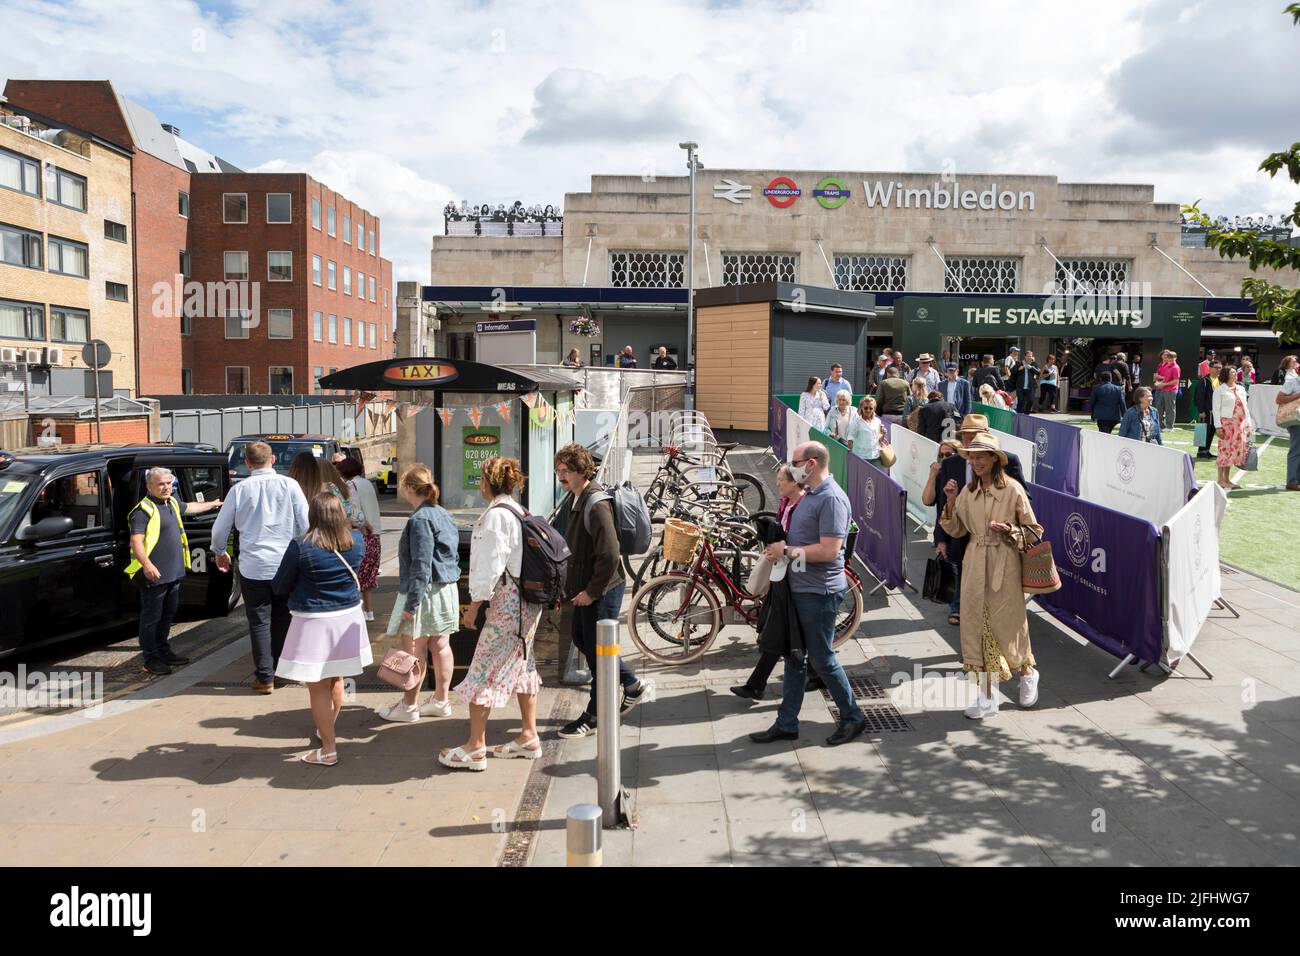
220	426
645	419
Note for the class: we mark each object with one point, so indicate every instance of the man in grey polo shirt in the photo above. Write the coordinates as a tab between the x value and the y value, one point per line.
815	547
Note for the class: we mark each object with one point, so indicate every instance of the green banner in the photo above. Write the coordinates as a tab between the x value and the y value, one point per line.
477	446
1000	419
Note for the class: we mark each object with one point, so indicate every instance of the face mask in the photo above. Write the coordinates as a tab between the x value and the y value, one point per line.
800	473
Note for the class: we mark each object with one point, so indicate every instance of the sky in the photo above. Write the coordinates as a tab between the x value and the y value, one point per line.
403	106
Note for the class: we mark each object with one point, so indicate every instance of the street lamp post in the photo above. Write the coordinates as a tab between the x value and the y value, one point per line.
691	165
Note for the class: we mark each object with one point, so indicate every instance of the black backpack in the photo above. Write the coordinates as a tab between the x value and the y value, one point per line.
544	563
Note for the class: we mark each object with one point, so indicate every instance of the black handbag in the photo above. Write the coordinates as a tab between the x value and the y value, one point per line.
940	581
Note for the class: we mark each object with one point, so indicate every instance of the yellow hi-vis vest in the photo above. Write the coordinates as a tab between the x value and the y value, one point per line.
152	530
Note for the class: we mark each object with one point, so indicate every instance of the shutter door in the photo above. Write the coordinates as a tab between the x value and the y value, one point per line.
812	344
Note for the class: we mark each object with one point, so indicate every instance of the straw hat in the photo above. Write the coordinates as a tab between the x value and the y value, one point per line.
974	423
925	357
985	441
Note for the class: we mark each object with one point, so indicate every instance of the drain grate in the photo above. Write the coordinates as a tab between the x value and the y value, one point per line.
881	718
866	688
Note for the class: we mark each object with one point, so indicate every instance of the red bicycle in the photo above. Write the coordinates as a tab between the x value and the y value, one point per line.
676	616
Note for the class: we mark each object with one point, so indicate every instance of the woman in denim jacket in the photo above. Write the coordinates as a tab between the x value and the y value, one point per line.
327	637
427	610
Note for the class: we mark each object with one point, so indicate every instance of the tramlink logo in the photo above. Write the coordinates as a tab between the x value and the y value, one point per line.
1078	540
831	193
423	372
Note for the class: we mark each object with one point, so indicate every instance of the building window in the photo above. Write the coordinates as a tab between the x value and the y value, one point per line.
316	326
744	268
1092	276
69	325
236	266
22	320
237	323
333	275
372	242
315	212
279	207
20	173
69	258
187	323
114	230
187	381
385	298
981	274
236	379
347	280
234	208
116	291
347	229
183	204
280	379
334	329
279	266
315	270
21	247
374	335
361	237
317	373
279	323
65	188
372	288
640	269
330	221
871	273
347	331
185	263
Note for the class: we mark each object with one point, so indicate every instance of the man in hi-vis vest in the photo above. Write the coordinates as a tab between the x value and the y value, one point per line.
160	549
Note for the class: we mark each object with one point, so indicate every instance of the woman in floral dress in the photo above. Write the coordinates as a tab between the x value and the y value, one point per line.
1235	429
503	663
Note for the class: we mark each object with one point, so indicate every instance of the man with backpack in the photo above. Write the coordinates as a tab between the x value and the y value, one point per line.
594	581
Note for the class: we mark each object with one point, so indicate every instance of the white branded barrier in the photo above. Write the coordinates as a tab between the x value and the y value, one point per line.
1261	400
912	470
796	432
1193	582
1023	449
1139	478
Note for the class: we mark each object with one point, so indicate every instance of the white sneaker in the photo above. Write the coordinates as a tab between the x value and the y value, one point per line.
1029	688
984	707
400	713
435	708
370	615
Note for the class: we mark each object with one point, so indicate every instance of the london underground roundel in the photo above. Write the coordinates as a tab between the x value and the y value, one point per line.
782	192
831	193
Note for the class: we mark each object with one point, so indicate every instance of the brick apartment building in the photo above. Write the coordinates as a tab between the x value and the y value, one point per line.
197	218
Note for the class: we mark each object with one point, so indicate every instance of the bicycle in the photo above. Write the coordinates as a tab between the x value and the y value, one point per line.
675	617
721	482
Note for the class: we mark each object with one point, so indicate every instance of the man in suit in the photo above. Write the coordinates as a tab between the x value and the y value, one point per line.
1204	397
955	468
956	391
987	372
1024	379
937	419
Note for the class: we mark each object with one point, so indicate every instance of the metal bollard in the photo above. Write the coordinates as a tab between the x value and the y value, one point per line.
582	835
608	699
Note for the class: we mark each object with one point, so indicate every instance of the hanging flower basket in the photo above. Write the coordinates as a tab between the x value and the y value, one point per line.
584	326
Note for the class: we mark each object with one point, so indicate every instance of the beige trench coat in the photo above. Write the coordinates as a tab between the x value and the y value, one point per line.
994	627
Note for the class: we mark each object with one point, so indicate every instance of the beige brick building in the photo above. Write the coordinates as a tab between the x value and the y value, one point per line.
66	275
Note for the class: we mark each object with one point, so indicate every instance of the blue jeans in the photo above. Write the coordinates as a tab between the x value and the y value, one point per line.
158	603
1293	456
817	616
584	636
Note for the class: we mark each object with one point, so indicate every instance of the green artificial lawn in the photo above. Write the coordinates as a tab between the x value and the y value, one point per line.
1256	524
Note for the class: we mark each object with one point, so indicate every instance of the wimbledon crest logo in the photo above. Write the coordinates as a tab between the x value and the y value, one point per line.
869	499
1077	539
1040	443
1126	466
1198	532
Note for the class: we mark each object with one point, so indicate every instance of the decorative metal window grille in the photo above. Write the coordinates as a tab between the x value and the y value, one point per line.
636	269
871	273
981	274
746	268
1092	276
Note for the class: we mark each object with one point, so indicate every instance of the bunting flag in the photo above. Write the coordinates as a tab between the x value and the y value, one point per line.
530	399
446	415
373	418
414	410
503	409
362	398
475	413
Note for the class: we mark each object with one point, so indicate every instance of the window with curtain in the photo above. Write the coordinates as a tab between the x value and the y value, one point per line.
20	173
69	325
279	266
22	320
236	266
65	188
69	258
21	247
279	323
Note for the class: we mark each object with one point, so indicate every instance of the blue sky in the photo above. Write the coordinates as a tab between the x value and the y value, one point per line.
406	106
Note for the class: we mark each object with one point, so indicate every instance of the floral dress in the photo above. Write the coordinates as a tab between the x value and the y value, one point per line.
1235	436
813	407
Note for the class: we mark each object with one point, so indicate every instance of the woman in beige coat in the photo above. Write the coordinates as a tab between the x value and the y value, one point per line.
994	510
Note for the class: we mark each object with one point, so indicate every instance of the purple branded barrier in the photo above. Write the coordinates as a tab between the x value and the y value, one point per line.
776	427
878	505
1110	577
1057	446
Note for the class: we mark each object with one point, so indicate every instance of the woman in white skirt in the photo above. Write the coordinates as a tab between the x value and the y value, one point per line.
327	638
503	663
427	608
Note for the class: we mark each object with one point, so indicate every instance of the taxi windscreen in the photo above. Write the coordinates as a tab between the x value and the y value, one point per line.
285	451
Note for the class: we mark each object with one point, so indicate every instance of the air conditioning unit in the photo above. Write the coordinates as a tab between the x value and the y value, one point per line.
33	356
9	356
54	355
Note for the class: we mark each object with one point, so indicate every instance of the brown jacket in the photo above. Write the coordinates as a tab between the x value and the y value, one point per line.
594	562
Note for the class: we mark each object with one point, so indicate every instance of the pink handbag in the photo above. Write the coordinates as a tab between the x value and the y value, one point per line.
404	671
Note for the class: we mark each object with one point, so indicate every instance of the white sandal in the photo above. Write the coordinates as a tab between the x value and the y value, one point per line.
514	749
457	759
319	758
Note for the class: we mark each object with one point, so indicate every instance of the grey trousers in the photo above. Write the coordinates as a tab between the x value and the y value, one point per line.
1167	405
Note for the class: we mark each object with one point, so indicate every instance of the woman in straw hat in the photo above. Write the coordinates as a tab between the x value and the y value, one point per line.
995	513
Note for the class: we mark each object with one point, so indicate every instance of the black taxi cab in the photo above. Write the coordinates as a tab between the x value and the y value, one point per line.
284	447
64	539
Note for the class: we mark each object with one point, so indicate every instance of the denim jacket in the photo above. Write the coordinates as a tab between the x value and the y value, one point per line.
316	580
1130	425
428	552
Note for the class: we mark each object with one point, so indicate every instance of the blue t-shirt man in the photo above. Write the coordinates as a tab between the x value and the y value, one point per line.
822	512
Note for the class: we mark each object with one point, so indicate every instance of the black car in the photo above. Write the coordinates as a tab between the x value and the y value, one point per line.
64	539
285	447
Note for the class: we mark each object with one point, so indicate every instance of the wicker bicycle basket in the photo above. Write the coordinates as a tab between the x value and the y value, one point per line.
681	538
